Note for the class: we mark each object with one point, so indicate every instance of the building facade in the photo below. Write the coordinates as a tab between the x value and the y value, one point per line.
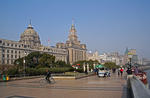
131	54
29	42
76	50
106	57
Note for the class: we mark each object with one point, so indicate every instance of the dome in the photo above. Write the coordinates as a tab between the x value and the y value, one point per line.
29	31
30	37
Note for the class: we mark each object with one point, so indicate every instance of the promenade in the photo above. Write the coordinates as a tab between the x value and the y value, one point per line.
89	87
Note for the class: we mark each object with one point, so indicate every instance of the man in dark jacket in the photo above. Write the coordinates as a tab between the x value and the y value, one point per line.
48	75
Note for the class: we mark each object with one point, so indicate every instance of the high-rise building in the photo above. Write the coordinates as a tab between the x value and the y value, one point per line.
130	54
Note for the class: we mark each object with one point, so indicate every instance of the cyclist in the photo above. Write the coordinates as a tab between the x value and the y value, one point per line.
48	75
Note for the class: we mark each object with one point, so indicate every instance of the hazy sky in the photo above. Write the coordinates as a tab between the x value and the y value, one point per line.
103	25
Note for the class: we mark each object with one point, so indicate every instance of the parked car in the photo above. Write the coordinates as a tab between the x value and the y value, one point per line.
103	72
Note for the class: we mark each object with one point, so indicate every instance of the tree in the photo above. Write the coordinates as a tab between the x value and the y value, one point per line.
47	60
19	62
110	65
61	63
32	60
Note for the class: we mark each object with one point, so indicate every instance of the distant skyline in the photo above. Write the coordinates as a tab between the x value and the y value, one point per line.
103	25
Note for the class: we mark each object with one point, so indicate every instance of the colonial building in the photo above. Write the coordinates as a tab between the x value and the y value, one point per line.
76	50
29	42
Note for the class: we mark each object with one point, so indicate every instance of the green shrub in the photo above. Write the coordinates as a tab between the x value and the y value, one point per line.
40	71
12	71
60	69
80	70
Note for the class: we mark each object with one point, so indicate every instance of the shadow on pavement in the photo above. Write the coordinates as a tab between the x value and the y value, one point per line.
15	96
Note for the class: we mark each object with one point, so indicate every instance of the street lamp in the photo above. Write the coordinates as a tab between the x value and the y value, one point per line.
24	62
130	62
130	57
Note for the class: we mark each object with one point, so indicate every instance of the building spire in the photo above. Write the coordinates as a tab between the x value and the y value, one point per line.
30	21
30	26
73	30
72	21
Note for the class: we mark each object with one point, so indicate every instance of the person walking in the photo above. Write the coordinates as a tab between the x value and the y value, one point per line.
136	70
118	72
121	71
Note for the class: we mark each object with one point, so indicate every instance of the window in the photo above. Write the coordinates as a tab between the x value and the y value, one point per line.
15	56
3	61
15	45
3	43
7	44
11	51
7	61
3	55
11	56
0	41
3	50
7	55
12	62
12	45
7	51
15	51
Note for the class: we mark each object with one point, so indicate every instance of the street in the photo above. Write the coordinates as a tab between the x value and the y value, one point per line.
90	87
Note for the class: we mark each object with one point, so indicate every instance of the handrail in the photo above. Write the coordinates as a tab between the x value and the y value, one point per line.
139	90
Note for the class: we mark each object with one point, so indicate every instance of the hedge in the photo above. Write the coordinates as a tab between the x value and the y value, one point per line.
40	71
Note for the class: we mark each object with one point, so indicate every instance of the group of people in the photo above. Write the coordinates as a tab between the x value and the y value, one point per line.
120	71
128	70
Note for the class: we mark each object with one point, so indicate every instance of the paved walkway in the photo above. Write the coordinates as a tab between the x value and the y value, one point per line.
90	87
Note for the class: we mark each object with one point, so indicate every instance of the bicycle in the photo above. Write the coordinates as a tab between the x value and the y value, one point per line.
44	82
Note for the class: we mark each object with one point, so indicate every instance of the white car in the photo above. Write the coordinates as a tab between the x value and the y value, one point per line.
101	73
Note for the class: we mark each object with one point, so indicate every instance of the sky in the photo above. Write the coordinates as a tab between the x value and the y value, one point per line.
103	25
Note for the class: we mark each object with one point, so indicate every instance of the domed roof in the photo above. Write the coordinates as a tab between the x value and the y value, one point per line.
30	37
29	31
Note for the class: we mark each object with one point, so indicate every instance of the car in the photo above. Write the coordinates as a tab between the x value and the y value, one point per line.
103	73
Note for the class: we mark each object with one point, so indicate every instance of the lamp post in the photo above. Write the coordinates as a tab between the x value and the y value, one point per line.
24	62
130	64
130	57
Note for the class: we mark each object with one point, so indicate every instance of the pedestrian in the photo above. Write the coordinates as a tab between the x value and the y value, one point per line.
114	70
129	72
121	71
136	70
118	72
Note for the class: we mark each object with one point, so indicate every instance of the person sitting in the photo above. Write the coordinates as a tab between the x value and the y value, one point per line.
48	75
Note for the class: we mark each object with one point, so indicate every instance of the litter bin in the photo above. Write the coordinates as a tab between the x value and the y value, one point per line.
7	78
4	77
